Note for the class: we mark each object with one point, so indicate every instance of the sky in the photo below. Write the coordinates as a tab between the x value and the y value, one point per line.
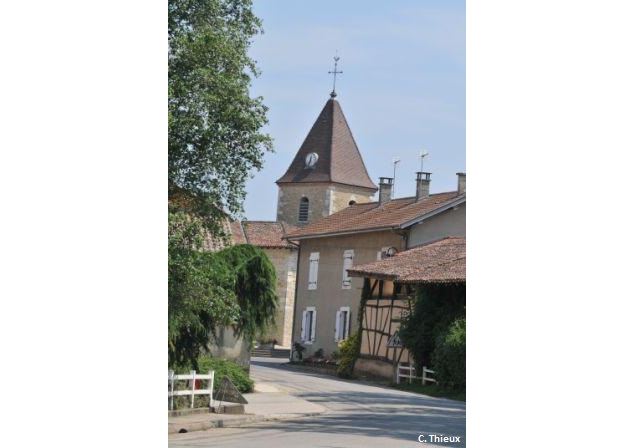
402	89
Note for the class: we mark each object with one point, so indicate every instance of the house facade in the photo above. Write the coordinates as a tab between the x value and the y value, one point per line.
357	235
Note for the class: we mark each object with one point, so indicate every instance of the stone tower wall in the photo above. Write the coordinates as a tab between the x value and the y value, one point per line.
324	200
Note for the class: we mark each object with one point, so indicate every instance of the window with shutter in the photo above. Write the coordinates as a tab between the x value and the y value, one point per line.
313	326
307	333
342	323
314	260
348	263
346	321
304	327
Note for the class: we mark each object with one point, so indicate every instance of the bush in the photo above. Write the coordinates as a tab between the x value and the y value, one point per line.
449	357
435	308
348	353
224	367
221	368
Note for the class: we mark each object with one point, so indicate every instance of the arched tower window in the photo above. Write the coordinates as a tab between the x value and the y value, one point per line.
352	202
303	215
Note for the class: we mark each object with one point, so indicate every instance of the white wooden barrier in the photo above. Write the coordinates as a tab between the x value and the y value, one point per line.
406	370
425	377
192	376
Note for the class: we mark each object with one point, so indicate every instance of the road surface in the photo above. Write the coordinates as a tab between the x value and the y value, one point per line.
358	415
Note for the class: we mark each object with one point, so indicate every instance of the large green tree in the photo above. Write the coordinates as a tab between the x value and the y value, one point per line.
215	138
215	141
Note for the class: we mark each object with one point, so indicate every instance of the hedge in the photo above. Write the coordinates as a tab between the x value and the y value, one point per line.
448	357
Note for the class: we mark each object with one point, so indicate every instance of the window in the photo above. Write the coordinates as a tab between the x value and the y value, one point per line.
342	323
351	202
348	263
307	333
303	214
314	260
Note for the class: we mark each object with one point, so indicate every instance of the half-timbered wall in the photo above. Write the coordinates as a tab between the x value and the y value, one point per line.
381	320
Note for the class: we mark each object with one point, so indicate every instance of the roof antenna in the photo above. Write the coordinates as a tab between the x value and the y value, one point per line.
395	161
335	73
422	155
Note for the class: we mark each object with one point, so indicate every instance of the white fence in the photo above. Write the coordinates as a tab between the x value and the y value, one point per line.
192	391
405	370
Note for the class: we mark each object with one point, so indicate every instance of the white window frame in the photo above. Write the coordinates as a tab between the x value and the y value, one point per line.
342	333
303	336
314	263
348	257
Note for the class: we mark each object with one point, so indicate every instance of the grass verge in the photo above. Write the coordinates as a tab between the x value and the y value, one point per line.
430	389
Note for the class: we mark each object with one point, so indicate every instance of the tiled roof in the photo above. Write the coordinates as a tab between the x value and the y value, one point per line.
372	215
267	234
442	261
339	159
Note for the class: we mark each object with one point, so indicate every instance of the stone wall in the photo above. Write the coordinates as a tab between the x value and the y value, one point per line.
228	346
285	262
324	200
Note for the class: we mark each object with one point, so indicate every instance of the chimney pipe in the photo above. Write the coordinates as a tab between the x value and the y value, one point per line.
423	185
461	187
385	189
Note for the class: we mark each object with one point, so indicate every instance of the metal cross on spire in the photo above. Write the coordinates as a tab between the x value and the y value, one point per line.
335	73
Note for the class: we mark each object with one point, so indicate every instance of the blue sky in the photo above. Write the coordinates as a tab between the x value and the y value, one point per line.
402	90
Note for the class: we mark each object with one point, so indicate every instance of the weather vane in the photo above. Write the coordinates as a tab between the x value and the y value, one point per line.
335	73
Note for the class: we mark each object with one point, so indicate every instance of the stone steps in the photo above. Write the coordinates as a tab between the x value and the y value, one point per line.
268	352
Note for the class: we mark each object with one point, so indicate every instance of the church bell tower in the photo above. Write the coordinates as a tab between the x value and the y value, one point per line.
327	174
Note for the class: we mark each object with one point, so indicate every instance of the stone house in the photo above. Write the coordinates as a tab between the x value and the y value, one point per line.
327	297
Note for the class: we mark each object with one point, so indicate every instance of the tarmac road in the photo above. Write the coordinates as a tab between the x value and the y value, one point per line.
358	415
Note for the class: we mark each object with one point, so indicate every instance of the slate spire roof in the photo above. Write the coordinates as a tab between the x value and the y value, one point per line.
339	159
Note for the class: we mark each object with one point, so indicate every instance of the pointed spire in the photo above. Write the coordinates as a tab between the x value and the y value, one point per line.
334	156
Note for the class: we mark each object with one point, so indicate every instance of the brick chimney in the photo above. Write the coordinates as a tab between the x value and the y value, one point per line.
461	187
385	189
423	185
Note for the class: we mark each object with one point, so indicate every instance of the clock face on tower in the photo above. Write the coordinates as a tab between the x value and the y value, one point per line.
311	160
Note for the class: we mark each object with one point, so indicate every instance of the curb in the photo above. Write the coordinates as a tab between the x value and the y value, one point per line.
175	428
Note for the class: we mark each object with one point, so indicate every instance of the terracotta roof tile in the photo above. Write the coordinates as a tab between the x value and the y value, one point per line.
442	261
372	215
267	234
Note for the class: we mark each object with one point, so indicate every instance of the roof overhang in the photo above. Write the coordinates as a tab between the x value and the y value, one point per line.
330	182
348	232
396	279
453	203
